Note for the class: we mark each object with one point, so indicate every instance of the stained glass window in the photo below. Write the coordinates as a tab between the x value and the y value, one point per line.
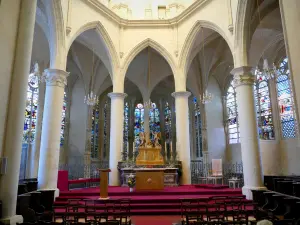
286	101
232	116
168	123
263	107
154	121
138	122
31	109
106	112
126	127
63	120
198	129
95	132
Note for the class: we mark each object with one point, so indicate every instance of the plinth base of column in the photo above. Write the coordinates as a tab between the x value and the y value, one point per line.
12	220
247	191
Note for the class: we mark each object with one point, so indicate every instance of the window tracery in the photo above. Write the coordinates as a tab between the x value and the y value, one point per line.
126	127
263	107
168	123
232	115
63	120
138	122
31	108
106	113
286	101
198	129
95	131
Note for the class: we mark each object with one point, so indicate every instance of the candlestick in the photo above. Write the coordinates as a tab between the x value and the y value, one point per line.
171	151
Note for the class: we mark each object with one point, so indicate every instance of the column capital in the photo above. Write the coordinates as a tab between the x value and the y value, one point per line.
181	94
114	95
243	75
55	77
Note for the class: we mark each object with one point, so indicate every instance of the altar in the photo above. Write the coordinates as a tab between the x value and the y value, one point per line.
152	171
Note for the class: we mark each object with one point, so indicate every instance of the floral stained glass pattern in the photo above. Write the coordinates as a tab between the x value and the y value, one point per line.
138	122
198	129
95	132
232	116
63	120
154	120
31	109
263	108
286	101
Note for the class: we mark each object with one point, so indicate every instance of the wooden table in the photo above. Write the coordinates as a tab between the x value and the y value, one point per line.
149	179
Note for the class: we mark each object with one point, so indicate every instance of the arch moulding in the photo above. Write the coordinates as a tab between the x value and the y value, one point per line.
112	53
191	37
140	47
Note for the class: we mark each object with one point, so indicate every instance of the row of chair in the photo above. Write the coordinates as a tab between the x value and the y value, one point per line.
277	206
289	185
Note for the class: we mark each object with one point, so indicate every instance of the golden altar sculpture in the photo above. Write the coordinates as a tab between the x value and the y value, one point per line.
149	153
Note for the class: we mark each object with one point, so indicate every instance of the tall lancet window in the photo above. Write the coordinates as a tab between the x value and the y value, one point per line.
138	122
168	123
198	129
154	121
286	101
31	109
63	120
232	115
95	131
106	112
263	107
126	127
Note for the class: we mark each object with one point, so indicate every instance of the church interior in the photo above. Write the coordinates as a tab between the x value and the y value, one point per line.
149	112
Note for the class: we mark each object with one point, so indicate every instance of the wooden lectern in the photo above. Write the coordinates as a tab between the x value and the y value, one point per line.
104	183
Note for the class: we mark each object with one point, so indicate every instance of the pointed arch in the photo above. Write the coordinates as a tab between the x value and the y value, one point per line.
107	42
242	33
191	37
54	13
156	46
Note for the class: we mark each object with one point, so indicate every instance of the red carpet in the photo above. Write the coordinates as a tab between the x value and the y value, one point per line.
155	220
165	202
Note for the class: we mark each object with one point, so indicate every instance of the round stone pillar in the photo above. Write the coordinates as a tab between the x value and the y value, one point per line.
183	134
50	141
146	123
15	114
243	81
116	135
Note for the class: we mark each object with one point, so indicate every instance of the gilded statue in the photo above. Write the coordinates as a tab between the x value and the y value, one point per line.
157	137
142	139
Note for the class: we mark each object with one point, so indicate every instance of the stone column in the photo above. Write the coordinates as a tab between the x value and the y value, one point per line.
116	137
243	81
35	154
290	16
162	104
15	113
50	142
183	134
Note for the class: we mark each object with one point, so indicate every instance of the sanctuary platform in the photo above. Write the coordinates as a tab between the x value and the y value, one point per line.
161	202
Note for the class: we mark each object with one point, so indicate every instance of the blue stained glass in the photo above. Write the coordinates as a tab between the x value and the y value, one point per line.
198	130
126	127
286	101
154	120
31	109
232	117
138	123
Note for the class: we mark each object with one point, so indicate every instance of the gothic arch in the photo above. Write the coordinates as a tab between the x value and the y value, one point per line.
108	44
56	34
188	44
141	46
242	33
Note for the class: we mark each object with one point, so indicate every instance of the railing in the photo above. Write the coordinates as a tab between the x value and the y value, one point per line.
76	170
200	169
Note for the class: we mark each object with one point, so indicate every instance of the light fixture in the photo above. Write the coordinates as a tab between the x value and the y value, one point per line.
91	99
206	97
